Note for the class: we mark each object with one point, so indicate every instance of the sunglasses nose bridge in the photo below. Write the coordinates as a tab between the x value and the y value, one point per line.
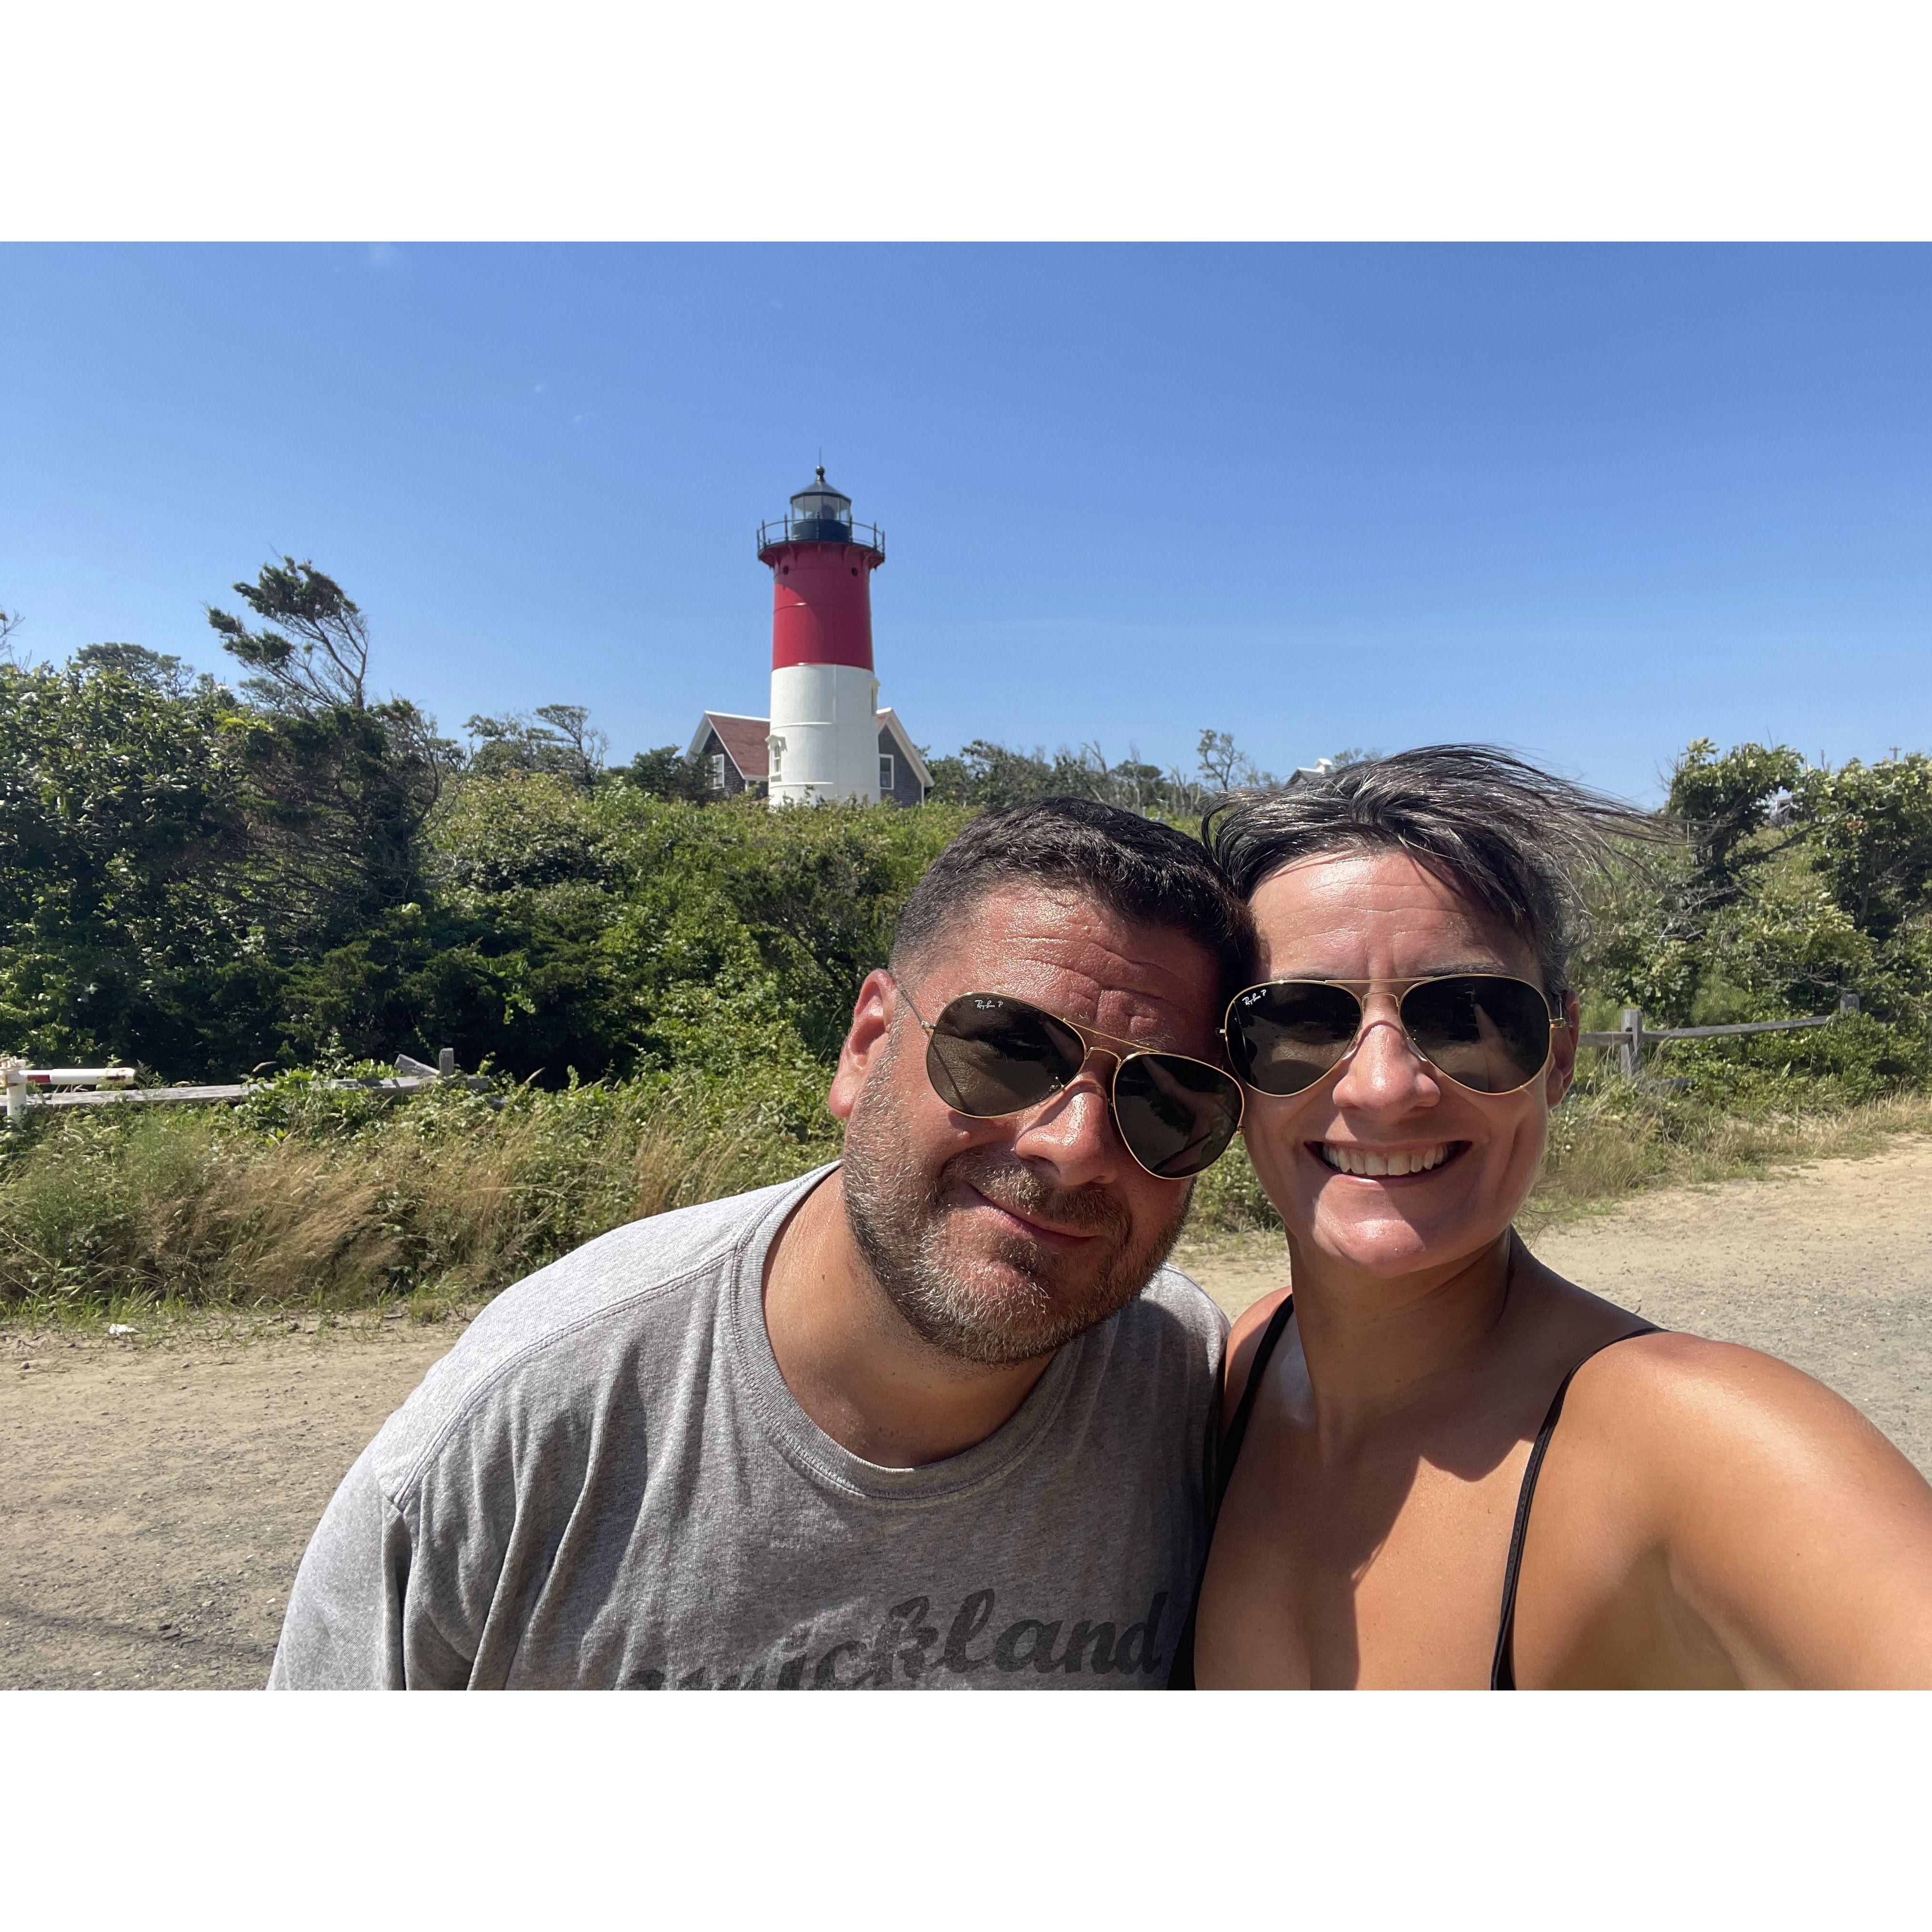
1383	1049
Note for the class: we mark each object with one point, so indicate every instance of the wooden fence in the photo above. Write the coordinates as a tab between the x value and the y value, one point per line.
1633	1037
111	1086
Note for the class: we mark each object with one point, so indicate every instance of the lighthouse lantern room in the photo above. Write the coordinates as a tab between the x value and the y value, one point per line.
824	734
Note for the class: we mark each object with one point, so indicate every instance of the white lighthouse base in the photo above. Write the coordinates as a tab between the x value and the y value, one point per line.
824	735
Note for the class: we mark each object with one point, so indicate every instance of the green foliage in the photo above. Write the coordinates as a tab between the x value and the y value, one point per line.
666	773
1795	883
126	928
1723	799
993	776
556	738
157	670
1871	839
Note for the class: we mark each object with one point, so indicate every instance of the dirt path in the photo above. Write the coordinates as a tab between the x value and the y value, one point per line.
159	1498
159	1495
1830	1268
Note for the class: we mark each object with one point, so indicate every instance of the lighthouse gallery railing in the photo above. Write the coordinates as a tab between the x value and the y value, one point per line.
819	530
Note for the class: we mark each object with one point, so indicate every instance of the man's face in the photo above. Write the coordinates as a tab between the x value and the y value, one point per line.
998	1240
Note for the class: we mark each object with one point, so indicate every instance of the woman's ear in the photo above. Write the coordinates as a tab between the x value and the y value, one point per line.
1563	1050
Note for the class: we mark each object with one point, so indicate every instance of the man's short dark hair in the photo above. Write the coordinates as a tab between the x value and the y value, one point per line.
1515	839
1138	869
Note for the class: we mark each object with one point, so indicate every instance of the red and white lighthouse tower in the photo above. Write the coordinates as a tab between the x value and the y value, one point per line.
824	732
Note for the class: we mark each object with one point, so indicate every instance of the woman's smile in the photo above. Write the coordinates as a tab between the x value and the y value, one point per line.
1410	1161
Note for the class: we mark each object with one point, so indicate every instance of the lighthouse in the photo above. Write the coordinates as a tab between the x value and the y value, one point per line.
827	737
824	739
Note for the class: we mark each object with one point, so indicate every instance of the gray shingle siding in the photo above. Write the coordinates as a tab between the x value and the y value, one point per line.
906	789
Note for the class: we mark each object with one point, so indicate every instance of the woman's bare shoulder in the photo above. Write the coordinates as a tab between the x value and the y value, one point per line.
1700	1412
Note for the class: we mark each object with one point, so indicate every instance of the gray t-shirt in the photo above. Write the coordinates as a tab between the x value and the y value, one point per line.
606	1482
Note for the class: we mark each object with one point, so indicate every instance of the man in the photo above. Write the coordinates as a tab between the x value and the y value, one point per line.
935	1417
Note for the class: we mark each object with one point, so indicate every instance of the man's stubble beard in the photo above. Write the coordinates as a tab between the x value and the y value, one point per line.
1013	1310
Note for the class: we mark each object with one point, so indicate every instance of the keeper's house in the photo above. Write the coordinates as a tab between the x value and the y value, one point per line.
736	752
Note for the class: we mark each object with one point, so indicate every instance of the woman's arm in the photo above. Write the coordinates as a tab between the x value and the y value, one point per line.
1797	1535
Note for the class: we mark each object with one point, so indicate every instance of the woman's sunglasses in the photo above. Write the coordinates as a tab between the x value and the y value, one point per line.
1487	1032
988	1055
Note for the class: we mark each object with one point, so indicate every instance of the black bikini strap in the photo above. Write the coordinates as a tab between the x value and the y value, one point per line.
1181	1676
1502	1666
1238	1429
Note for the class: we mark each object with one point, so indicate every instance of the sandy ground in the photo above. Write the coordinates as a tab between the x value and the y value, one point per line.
158	1498
159	1493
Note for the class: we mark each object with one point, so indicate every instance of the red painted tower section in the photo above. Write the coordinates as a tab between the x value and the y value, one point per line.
821	564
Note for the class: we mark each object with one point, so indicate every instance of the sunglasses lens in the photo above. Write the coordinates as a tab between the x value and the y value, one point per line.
1176	1116
1285	1036
1490	1035
987	1056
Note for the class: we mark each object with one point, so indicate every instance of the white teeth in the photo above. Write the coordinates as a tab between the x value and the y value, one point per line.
1350	1159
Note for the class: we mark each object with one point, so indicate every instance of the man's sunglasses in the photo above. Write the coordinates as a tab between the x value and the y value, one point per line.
1487	1031
988	1055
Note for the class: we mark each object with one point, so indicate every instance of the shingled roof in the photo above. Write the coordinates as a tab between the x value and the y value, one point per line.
743	739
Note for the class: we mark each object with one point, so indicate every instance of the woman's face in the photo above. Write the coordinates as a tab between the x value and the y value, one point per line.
1381	917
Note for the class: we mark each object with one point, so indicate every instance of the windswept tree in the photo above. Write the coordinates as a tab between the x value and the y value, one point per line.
312	651
342	784
558	738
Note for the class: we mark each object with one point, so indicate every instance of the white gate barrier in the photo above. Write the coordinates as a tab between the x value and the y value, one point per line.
24	1085
20	1077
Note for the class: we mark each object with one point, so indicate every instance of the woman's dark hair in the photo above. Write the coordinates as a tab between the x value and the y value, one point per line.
1137	868
1515	839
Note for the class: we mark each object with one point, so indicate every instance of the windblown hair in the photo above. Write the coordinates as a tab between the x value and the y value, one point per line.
1516	840
1138	868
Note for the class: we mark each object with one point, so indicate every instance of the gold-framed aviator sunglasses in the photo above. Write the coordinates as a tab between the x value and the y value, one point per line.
1490	1032
988	1055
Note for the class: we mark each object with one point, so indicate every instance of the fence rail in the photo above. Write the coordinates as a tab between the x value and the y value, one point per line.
36	1086
1633	1037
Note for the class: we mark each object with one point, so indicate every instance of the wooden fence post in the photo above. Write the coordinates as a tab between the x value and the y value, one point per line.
1848	1003
1632	1049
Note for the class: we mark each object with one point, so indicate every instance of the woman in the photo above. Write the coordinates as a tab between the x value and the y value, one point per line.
1401	1506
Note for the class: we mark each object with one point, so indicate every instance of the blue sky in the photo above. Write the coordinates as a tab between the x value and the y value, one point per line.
1587	501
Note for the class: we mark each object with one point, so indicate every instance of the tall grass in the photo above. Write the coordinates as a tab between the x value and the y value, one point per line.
330	1204
316	1198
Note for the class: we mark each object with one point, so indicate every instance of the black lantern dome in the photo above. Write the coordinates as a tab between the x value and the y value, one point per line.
819	513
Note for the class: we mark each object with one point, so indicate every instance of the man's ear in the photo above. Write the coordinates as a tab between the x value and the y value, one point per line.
865	1039
1563	1050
